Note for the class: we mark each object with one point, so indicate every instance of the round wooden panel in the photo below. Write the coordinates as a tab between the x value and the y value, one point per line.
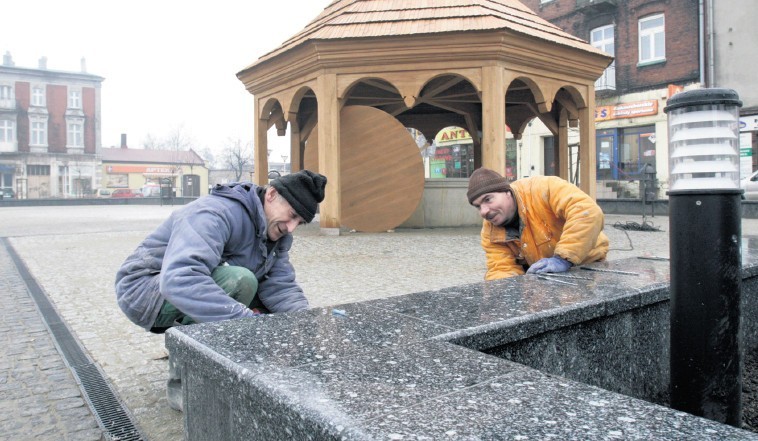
381	169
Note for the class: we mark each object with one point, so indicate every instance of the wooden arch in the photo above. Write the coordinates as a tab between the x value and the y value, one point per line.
427	74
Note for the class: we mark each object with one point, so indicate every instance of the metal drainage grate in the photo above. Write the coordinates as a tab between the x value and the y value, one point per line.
110	414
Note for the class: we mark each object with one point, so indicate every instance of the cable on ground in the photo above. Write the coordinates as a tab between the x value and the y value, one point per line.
635	226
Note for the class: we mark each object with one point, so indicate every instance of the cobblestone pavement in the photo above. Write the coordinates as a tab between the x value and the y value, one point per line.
74	252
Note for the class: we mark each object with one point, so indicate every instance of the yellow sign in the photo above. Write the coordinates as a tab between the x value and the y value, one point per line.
452	134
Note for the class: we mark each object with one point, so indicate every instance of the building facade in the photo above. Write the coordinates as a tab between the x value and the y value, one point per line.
184	171
732	55
656	51
49	131
661	47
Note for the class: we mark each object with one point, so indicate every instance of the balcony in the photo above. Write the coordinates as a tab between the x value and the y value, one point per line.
596	6
608	80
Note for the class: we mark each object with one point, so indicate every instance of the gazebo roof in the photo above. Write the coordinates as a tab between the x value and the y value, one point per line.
351	19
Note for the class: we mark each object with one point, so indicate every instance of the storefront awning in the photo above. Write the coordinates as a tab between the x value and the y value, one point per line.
159	175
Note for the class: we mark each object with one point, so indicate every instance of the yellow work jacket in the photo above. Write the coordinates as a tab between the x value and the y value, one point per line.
556	218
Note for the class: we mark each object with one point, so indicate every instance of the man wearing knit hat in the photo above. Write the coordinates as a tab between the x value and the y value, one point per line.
222	256
541	224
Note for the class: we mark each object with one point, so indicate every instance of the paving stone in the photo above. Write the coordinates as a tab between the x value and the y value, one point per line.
331	269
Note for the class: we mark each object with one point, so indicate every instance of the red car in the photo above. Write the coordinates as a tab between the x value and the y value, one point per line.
125	193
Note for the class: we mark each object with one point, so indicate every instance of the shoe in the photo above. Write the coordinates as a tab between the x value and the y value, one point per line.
174	386
174	394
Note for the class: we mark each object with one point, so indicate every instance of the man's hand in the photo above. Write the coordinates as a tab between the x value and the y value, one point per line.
550	265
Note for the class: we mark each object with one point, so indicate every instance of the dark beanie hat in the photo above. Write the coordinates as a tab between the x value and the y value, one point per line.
303	190
483	181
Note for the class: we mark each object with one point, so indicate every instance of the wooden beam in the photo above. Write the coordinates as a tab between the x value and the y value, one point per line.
329	150
546	118
563	148
493	118
587	159
459	108
260	148
442	87
381	85
307	128
568	105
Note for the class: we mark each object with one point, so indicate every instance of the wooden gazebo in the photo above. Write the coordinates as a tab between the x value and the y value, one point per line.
477	64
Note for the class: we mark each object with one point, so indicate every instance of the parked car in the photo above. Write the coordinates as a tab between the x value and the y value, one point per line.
7	193
151	191
102	193
125	193
750	185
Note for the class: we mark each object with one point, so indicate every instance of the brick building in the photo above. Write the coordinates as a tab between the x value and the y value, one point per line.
661	47
49	130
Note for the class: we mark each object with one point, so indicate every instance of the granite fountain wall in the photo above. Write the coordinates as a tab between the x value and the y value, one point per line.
521	358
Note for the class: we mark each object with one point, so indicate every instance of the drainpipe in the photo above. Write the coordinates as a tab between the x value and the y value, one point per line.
701	41
710	82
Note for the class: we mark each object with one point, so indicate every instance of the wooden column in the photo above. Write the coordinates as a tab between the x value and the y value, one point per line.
295	145
260	147
563	148
329	151
587	160
493	118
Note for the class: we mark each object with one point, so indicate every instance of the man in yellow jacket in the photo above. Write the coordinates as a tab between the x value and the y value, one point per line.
540	224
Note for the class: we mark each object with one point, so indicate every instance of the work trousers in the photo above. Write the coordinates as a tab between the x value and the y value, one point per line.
239	283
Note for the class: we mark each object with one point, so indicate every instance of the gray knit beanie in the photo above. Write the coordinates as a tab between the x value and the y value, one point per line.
304	190
483	181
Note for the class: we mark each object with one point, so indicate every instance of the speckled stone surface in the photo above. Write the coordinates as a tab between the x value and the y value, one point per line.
411	367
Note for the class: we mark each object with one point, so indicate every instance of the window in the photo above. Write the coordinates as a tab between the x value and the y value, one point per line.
38	170
6	131
652	39
451	154
75	134
74	99
39	132
38	96
622	154
6	96
603	39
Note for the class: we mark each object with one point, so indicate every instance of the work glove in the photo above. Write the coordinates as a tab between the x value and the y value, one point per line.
553	264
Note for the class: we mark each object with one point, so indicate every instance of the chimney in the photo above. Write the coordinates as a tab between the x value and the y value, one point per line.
123	141
84	65
43	63
8	60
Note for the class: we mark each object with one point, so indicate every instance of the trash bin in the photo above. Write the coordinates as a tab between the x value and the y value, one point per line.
166	190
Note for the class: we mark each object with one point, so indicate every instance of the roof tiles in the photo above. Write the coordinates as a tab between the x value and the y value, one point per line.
343	19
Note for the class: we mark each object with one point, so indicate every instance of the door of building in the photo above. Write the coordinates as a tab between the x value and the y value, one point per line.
191	186
607	154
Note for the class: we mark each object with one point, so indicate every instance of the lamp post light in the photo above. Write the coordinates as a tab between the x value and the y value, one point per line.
705	238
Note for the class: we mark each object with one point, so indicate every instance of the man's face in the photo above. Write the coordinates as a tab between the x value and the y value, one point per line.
281	218
497	207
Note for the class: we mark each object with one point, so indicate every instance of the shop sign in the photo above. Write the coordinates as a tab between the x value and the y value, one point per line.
626	110
451	134
137	169
673	89
749	123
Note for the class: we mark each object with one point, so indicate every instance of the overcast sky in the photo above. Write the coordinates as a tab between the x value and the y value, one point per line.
166	63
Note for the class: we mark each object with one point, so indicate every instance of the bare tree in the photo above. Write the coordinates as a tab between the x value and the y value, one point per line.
179	139
207	154
237	156
152	142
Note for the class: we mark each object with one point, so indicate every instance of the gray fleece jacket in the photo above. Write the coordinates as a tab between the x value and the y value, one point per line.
175	262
